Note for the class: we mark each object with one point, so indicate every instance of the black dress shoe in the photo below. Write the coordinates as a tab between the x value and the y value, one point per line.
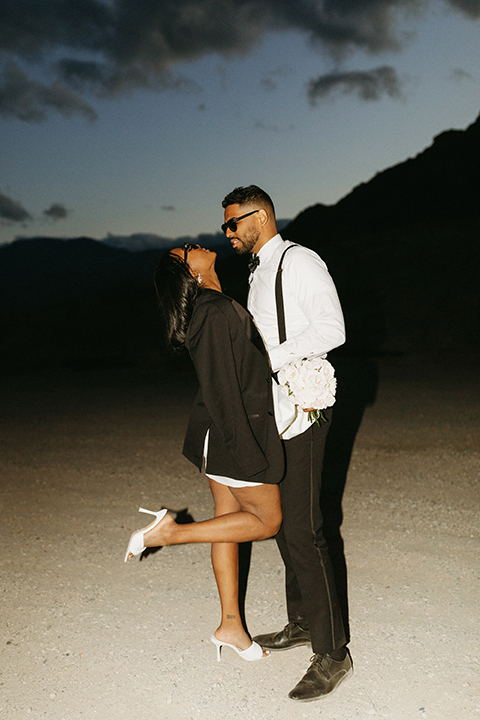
291	636
322	677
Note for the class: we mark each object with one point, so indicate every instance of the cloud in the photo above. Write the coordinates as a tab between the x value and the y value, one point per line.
106	47
12	211
108	80
260	125
269	81
471	8
271	127
168	208
56	211
368	84
458	75
29	100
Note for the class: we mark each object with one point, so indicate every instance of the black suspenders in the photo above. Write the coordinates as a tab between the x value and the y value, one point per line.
282	334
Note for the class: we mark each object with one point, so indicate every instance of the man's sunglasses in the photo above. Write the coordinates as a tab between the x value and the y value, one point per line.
186	249
232	223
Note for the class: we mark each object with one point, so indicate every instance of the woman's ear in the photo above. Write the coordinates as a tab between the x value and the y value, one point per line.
191	270
194	273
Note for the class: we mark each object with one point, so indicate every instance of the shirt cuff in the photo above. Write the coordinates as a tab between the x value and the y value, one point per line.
277	358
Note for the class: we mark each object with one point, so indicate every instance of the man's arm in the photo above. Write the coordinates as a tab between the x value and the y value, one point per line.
308	285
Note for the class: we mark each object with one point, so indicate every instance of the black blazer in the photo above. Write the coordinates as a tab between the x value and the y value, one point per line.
235	398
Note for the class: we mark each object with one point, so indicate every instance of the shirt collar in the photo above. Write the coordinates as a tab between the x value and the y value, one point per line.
267	250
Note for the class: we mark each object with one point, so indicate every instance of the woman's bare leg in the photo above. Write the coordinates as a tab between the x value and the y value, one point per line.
241	515
256	516
225	568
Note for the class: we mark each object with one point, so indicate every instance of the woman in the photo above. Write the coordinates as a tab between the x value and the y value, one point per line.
232	426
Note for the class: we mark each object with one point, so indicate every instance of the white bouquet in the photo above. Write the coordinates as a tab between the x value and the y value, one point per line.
309	383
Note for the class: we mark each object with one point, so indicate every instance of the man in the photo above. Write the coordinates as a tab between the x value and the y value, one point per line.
314	326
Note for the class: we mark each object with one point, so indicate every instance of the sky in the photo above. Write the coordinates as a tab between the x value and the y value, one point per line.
139	116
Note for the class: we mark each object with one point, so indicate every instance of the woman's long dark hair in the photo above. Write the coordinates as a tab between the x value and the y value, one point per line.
177	291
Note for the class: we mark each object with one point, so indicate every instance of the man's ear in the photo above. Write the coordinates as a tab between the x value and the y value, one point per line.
262	217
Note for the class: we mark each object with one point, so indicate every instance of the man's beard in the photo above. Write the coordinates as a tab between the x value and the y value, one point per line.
247	243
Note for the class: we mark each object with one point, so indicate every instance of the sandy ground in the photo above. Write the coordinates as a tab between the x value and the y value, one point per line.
85	635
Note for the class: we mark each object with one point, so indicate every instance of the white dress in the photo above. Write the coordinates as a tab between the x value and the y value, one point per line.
220	478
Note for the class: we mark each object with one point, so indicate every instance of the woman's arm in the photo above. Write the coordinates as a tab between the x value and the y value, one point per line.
210	344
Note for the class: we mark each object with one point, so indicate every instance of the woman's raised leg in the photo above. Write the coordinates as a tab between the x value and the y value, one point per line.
256	516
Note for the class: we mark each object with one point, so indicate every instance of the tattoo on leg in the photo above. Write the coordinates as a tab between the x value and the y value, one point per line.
230	617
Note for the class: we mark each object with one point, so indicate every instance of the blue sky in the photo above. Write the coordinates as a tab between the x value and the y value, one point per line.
247	96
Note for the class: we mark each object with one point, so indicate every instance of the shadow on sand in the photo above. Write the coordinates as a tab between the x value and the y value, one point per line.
357	383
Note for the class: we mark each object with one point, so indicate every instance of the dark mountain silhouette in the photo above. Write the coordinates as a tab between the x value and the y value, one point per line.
139	242
441	183
76	301
403	249
47	272
148	241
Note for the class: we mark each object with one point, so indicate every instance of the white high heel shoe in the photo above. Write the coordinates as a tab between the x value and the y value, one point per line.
136	544
254	652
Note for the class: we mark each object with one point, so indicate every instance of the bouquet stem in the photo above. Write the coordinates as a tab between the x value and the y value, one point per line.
316	416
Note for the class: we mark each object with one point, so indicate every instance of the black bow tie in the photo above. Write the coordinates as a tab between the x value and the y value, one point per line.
253	263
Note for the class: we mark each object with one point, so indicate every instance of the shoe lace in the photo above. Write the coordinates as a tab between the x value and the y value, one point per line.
318	659
290	625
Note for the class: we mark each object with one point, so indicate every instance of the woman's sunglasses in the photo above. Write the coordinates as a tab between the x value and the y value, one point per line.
186	249
232	223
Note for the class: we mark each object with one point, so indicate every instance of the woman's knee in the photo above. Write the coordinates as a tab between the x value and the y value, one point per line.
275	525
272	521
264	503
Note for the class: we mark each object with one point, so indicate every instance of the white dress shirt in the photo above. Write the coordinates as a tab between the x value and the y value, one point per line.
313	317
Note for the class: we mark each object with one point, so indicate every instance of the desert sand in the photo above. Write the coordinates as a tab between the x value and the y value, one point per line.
85	635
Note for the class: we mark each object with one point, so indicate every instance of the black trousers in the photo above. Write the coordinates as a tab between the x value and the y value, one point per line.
310	585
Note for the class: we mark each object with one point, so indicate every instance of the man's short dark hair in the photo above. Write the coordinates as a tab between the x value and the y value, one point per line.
248	195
